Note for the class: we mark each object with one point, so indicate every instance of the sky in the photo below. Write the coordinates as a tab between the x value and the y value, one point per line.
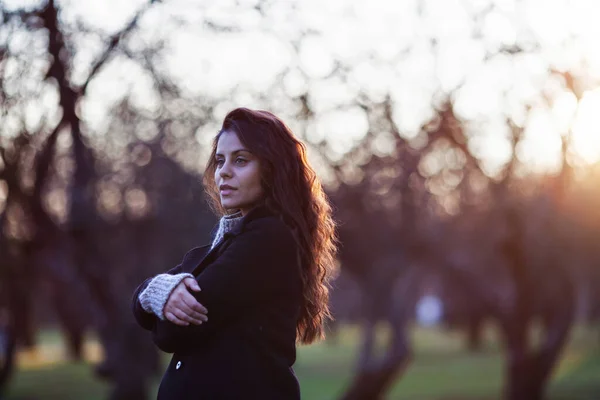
386	48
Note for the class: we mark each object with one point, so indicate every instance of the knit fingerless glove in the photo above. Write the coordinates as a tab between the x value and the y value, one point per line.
156	294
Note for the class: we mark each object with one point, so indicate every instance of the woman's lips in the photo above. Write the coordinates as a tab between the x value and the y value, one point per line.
226	192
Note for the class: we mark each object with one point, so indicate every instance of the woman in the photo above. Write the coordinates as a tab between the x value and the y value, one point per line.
232	312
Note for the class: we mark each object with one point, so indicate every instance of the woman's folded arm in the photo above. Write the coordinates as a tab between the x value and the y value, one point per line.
259	262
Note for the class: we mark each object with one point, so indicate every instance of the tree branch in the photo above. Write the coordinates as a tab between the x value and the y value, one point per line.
114	41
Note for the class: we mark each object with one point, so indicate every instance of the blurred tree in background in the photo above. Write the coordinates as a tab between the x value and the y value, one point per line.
85	219
100	177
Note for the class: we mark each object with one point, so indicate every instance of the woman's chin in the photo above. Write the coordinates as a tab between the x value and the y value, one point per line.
228	205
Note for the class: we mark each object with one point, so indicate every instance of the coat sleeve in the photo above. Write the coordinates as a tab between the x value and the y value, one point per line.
145	319
258	263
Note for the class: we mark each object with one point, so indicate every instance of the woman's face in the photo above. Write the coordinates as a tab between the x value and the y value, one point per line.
237	174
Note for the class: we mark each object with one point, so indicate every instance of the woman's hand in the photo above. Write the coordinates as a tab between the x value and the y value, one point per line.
182	308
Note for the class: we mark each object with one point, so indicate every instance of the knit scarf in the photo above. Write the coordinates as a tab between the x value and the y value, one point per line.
226	224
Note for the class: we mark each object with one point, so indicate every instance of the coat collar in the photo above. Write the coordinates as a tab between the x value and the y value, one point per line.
260	211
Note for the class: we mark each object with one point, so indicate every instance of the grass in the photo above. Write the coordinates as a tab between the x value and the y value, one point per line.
440	370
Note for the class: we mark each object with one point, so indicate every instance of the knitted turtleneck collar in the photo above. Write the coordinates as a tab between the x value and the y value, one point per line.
227	224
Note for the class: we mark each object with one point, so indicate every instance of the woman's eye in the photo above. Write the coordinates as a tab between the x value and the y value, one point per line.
220	162
240	161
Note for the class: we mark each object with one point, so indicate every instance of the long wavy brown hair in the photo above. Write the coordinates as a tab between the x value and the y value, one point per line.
293	191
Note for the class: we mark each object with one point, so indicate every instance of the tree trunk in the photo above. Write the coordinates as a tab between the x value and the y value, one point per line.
72	325
475	333
529	370
366	355
375	376
522	377
374	379
7	349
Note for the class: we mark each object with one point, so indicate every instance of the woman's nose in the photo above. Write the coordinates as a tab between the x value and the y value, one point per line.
225	169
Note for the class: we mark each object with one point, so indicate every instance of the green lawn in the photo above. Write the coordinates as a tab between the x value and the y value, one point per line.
441	370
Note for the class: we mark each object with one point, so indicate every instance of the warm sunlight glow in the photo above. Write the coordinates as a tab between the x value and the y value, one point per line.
541	145
586	128
563	109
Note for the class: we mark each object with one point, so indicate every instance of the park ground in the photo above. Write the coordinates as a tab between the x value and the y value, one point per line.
441	369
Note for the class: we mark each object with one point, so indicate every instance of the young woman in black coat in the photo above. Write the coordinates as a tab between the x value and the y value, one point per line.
233	311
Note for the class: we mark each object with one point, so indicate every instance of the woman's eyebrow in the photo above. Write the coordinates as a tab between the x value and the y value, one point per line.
235	152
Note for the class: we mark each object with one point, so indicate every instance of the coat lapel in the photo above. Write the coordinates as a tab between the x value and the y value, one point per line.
201	262
207	255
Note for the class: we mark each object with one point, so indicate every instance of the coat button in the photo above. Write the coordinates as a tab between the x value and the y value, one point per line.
178	365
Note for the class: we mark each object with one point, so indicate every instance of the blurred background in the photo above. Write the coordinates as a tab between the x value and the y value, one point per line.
459	141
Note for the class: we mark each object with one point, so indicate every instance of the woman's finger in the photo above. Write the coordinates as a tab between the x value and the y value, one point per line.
181	315
196	321
183	312
192	284
171	317
189	319
190	313
192	303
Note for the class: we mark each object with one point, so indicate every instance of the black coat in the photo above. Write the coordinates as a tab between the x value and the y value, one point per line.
252	288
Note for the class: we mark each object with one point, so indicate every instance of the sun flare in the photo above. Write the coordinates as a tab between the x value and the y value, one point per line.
586	128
